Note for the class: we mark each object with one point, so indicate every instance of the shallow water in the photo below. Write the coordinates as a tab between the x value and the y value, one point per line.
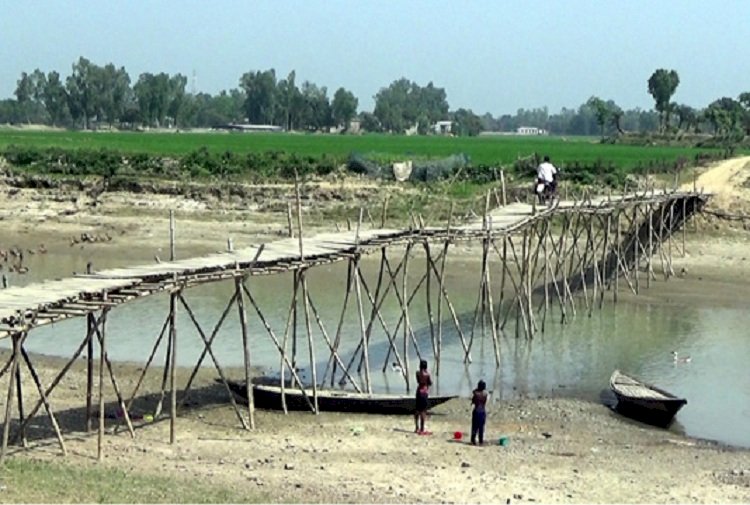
575	359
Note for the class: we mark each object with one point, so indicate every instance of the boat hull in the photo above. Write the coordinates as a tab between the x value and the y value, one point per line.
658	413
644	402
269	397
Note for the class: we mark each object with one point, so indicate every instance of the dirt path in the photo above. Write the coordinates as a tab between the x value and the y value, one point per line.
727	182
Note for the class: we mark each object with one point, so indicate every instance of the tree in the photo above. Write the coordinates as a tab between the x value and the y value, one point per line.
466	123
601	111
152	93
56	99
744	100
316	112
725	115
24	93
112	93
289	102
176	98
80	90
260	96
370	122
404	104
661	86
686	116
344	107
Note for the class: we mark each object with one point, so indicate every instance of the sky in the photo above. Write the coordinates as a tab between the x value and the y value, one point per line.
490	56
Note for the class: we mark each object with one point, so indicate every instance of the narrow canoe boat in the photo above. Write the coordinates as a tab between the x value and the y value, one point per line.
267	396
643	401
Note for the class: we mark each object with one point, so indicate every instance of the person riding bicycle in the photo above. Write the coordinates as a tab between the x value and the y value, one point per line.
546	180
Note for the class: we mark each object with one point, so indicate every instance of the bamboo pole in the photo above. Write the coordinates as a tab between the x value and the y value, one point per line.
428	297
452	310
172	254
650	218
90	321
207	343
305	302
9	399
125	414
100	433
335	354
502	184
148	363
310	346
246	350
173	363
405	312
490	303
282	349
44	399
337	337
19	398
275	341
57	378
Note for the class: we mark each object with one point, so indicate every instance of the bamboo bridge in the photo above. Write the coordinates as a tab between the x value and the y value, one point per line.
556	260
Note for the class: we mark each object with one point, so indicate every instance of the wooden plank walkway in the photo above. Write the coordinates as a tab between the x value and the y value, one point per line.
22	308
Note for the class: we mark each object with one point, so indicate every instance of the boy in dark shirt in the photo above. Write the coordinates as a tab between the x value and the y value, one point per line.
424	381
479	414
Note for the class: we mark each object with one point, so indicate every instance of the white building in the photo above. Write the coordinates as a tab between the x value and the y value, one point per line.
443	127
530	130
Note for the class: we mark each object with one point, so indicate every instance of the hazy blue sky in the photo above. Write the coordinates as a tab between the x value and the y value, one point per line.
490	56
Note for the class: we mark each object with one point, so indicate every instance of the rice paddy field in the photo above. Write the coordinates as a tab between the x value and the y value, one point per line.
485	150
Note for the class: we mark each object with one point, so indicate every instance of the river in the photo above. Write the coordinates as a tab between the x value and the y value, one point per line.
576	359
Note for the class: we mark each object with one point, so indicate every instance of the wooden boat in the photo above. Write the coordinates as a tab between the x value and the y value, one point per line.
266	396
643	401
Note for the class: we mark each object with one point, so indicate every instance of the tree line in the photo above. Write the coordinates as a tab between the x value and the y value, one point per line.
94	96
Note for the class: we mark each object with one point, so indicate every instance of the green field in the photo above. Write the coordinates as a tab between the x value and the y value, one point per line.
25	481
490	150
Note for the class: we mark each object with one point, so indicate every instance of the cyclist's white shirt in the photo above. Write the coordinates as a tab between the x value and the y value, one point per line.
546	171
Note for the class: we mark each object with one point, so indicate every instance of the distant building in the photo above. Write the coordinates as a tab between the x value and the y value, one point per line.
530	130
443	127
250	127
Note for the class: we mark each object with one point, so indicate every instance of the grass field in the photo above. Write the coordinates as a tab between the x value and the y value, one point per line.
26	481
490	150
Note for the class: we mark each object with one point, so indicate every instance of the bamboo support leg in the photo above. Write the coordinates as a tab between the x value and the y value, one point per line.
44	399
310	345
9	399
102	415
246	351
275	341
123	408
173	369
207	343
222	375
19	398
90	321
148	363
334	353
59	376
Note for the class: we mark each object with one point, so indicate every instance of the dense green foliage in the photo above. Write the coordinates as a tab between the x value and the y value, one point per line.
262	156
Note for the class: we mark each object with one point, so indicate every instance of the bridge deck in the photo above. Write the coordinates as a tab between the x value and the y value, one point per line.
52	300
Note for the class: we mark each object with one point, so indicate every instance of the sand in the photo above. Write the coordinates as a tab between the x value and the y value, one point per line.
561	450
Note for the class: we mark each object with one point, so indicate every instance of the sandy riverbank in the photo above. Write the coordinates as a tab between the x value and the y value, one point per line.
561	450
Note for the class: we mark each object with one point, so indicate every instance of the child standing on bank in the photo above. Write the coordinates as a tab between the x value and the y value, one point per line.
479	413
